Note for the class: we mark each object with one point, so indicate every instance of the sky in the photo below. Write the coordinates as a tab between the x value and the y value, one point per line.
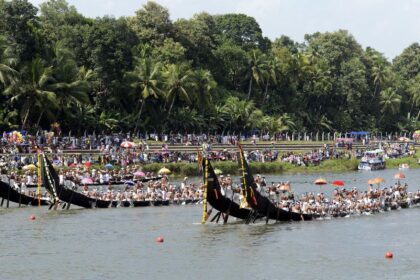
388	26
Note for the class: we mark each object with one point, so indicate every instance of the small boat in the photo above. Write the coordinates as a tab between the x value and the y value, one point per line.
372	160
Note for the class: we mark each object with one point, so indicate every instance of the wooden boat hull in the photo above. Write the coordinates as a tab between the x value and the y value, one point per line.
7	192
262	204
71	196
142	203
218	201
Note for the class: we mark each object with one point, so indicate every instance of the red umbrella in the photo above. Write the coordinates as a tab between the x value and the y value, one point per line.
320	181
73	165
399	176
87	164
338	183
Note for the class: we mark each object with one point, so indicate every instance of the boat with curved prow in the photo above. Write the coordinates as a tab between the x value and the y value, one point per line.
260	203
7	192
217	200
66	194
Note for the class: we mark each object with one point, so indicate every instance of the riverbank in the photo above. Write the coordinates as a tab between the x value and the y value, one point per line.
337	165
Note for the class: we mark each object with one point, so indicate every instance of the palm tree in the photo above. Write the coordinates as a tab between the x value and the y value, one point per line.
256	69
414	91
204	84
390	101
270	124
34	89
179	84
270	74
145	82
285	122
7	62
380	74
71	84
239	113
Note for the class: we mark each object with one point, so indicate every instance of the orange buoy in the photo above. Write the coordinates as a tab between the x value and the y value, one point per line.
32	217
159	239
389	255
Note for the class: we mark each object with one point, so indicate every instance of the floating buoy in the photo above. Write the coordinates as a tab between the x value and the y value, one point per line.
159	239
32	217
389	255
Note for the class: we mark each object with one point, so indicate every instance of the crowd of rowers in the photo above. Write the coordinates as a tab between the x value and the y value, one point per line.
350	202
341	203
151	188
159	190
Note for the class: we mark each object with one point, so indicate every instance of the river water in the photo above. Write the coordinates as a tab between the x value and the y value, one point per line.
120	243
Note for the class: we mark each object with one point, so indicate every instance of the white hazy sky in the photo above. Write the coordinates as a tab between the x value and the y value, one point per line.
389	26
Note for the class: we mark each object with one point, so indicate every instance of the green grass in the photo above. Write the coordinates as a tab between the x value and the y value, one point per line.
394	163
229	167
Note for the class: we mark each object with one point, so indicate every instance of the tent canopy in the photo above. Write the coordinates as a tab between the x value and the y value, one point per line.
359	133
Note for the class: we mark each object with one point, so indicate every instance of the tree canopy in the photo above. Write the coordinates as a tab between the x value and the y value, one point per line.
208	73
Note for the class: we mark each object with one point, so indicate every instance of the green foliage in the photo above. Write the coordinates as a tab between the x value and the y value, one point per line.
209	73
230	167
240	30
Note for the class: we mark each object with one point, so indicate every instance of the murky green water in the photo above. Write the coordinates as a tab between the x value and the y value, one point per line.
120	243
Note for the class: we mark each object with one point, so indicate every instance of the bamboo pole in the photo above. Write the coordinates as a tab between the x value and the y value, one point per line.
39	179
206	170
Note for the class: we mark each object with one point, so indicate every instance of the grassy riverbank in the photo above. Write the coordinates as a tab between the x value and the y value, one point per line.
338	165
191	169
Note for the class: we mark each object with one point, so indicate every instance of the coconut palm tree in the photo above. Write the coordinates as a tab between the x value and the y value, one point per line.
145	81
380	74
240	114
33	91
414	91
71	84
256	64
390	101
7	63
271	74
204	85
285	122
178	84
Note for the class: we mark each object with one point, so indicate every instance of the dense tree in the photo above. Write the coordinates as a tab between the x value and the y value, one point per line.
407	64
208	73
241	30
7	63
198	36
20	25
152	24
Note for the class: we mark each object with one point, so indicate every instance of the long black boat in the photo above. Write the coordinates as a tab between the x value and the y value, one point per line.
70	196
112	183
66	194
260	203
9	193
217	200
